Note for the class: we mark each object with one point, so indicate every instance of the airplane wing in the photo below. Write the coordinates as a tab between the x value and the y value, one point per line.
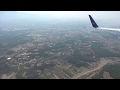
94	24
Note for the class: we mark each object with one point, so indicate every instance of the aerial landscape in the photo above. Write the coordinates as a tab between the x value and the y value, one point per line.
32	48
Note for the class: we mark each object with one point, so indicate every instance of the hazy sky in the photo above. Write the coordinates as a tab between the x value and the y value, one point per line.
79	14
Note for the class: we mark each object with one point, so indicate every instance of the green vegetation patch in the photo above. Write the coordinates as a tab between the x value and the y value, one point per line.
80	60
32	74
101	52
13	39
4	68
114	71
20	72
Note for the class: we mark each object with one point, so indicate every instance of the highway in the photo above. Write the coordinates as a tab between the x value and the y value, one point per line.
102	63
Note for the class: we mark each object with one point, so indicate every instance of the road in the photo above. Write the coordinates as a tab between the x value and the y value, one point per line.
102	63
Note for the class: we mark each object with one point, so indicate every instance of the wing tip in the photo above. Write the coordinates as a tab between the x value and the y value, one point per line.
94	24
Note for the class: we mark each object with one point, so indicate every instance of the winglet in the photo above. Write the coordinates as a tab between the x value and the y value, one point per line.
93	22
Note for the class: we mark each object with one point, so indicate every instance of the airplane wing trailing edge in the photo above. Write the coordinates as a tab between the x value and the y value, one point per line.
94	24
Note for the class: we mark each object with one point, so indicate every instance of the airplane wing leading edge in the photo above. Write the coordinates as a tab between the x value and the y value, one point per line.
94	24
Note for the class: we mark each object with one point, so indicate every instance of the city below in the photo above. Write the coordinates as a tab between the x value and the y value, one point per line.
65	50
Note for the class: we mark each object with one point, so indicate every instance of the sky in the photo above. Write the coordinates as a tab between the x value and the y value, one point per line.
107	15
101	17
